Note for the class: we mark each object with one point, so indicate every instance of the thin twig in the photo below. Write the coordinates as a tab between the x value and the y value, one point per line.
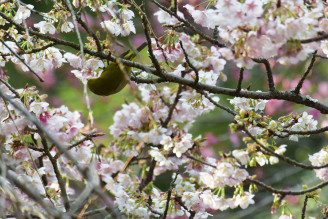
169	193
320	56
216	103
304	206
200	161
188	24
192	213
89	31
88	136
58	174
153	210
96	211
269	72
150	49
286	192
314	39
21	59
10	88
281	157
149	176
300	83
240	80
172	107
189	63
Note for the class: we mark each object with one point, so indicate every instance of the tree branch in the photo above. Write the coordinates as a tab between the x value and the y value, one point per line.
304	206
286	192
240	80
300	83
269	73
169	196
21	59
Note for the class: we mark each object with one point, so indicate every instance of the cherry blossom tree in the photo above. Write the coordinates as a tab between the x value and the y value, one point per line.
54	166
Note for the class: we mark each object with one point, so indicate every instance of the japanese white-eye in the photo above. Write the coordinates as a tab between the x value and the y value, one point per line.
112	79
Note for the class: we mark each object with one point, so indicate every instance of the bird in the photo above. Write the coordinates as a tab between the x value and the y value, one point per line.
112	80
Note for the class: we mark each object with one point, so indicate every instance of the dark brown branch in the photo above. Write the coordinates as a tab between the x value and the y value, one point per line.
21	59
175	7
240	80
150	48
192	213
217	104
320	56
309	132
88	136
188	24
10	88
300	83
149	176
172	107
315	39
269	73
58	174
281	157
279	95
147	81
286	192
153	210
304	206
168	199
200	161
189	63
89	31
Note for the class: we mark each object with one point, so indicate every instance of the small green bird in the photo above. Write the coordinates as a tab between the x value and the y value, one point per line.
112	79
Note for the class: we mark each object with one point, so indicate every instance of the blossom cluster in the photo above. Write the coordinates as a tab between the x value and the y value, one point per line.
118	25
320	159
265	28
26	145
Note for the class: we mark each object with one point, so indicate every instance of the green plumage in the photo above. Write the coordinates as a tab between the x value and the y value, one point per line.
112	79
